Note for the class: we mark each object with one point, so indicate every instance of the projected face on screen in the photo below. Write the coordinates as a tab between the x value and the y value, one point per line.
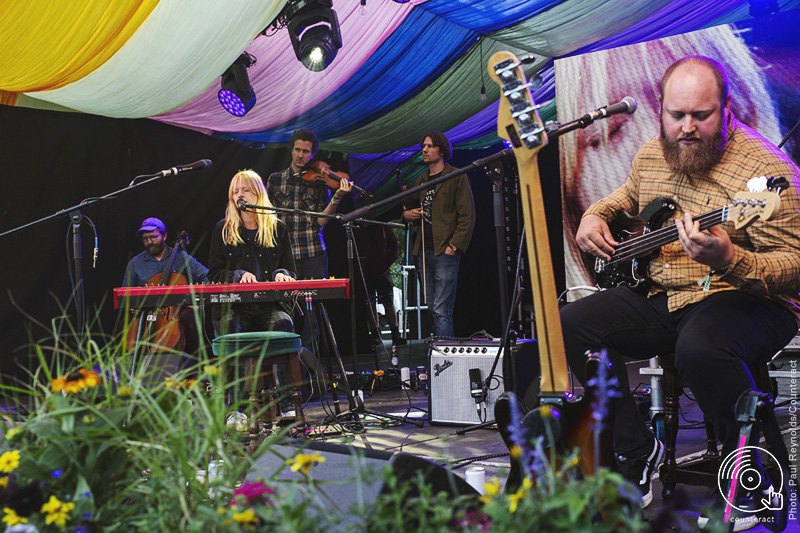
596	160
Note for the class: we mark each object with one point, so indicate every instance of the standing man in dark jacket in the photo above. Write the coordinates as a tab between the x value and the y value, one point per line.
447	215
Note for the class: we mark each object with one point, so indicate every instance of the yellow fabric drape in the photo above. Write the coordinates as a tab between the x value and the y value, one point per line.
7	98
48	44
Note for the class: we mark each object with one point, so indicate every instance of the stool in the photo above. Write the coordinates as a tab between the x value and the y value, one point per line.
259	350
701	471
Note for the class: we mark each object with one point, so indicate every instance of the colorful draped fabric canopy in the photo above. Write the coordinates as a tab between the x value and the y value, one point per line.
404	68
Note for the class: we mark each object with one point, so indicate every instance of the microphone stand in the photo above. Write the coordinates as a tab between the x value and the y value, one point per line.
354	407
76	218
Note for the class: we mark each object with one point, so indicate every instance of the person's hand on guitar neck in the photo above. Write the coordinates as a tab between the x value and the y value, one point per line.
594	237
712	247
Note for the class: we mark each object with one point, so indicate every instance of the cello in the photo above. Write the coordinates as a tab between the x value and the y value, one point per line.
161	328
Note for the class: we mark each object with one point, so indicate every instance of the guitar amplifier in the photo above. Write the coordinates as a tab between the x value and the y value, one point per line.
454	365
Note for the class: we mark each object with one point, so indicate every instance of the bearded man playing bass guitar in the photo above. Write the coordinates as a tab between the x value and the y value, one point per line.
722	299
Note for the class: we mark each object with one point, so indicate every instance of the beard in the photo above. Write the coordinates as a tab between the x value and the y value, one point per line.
693	159
155	249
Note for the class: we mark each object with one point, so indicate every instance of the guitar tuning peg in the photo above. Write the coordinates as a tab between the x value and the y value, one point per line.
778	184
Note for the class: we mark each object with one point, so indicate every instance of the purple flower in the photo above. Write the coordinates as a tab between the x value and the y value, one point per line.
57	473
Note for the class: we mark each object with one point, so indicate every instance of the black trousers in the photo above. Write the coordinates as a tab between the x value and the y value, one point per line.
714	341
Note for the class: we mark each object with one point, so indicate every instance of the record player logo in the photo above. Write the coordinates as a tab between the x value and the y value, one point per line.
741	472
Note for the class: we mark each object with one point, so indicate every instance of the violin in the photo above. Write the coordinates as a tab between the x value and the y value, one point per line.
312	173
163	328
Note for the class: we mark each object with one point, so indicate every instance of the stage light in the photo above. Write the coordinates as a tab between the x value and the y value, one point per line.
236	94
314	31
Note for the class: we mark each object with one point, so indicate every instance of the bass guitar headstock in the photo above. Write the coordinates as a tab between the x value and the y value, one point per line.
518	117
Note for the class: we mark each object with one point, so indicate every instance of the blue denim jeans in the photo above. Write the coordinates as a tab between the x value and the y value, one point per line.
441	277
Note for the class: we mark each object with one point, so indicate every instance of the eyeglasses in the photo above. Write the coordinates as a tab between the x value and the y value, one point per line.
150	238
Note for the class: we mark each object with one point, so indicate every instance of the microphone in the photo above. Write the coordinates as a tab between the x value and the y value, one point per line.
627	105
203	164
241	204
476	387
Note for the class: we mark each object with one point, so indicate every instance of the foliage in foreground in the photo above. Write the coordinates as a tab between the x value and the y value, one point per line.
101	449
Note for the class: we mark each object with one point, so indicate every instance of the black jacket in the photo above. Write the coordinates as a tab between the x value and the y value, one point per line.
227	263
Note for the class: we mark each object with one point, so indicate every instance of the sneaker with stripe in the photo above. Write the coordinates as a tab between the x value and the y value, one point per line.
638	468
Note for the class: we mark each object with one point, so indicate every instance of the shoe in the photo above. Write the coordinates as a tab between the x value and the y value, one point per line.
750	510
639	468
397	339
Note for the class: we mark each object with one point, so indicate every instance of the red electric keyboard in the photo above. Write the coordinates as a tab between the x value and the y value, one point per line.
275	291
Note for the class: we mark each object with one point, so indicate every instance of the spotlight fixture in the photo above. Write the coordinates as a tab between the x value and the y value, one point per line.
314	30
236	94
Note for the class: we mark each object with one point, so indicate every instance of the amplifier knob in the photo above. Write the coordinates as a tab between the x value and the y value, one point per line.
461	350
469	350
484	350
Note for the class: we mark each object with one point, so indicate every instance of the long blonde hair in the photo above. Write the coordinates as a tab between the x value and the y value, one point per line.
267	220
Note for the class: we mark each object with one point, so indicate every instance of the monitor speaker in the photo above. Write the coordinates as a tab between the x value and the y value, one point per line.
351	475
458	368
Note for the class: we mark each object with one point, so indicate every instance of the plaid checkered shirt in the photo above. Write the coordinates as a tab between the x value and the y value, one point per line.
766	254
288	191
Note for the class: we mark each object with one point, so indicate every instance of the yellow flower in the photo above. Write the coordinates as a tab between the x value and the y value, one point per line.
545	410
173	384
9	461
573	462
212	370
4	482
13	432
57	512
125	391
245	517
516	451
492	488
76	381
12	518
303	462
89	419
515	499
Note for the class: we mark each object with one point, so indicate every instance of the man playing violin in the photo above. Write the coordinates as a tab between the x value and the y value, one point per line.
286	189
722	300
154	260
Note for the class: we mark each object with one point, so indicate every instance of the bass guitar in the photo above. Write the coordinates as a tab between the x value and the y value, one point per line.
567	422
640	236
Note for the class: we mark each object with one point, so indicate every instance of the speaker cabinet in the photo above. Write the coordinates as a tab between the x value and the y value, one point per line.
352	475
455	366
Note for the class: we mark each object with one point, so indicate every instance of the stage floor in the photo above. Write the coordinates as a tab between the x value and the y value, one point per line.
484	447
